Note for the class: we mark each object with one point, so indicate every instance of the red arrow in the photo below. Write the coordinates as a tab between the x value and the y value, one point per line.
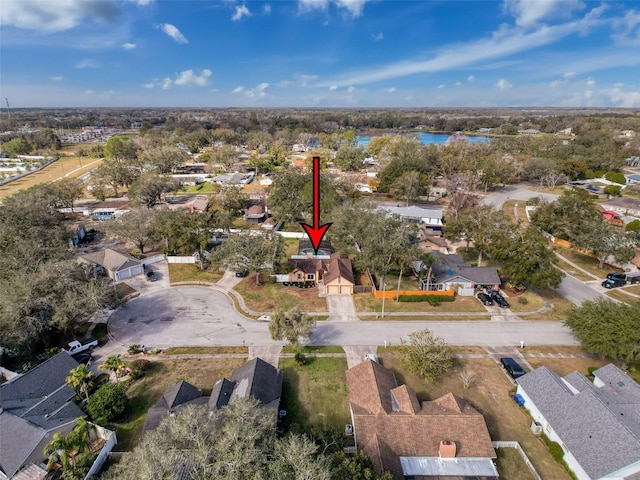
317	231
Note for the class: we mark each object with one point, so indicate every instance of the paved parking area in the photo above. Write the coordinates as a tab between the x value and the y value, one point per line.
188	316
144	286
341	308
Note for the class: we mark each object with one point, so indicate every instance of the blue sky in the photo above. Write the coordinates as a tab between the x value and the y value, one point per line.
319	53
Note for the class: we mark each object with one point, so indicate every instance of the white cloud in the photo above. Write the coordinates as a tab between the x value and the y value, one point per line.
591	82
259	90
333	88
173	32
441	86
149	85
166	83
351	89
471	79
189	77
503	84
555	83
531	12
569	75
354	7
283	83
238	89
54	15
505	42
57	78
628	29
305	79
87	64
377	36
141	3
266	9
128	46
458	84
625	99
241	11
390	89
618	84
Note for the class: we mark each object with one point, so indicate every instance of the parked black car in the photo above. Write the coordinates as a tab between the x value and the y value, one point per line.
83	358
611	283
512	367
617	276
499	299
242	273
151	276
485	299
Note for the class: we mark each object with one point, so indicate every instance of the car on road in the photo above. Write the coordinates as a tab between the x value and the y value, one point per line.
242	273
485	299
610	283
151	276
512	367
617	276
499	299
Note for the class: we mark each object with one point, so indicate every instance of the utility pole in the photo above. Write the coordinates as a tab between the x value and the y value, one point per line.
8	108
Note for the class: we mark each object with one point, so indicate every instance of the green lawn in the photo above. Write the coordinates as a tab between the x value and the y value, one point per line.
316	393
312	349
527	301
366	303
560	306
201	189
586	262
271	297
205	350
574	272
508	209
188	272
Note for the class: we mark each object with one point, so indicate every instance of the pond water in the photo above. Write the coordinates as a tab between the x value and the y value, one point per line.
428	138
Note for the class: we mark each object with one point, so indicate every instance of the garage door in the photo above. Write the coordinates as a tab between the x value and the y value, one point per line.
122	274
333	289
346	289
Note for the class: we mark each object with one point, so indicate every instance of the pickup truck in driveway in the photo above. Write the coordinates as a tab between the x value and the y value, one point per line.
75	346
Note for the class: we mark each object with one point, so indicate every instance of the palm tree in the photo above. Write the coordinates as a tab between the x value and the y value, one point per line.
72	452
79	379
113	364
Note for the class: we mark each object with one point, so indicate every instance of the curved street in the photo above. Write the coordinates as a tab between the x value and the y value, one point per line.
200	316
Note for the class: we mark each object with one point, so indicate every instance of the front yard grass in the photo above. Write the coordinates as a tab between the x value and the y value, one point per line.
564	366
618	294
271	297
560	306
189	272
365	302
143	393
574	272
527	301
315	394
586	262
509	206
490	396
313	349
205	350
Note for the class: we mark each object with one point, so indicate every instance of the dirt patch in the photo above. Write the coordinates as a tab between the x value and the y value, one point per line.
564	366
271	297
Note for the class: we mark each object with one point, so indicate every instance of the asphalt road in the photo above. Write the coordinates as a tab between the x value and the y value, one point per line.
577	292
520	191
196	316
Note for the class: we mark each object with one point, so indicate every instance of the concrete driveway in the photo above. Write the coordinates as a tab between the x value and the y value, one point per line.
187	316
521	191
341	308
142	285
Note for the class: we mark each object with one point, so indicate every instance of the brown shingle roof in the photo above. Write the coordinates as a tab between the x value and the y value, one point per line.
339	268
390	422
110	259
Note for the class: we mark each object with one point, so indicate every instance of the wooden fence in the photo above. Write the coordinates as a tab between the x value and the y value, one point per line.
393	293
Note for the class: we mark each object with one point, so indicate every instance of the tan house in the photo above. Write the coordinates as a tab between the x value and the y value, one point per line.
443	438
117	266
334	274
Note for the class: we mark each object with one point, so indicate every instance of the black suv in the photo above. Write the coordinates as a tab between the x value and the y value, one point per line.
617	276
485	299
512	367
151	276
499	299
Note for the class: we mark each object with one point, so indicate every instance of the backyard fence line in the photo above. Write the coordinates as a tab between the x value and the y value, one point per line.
516	445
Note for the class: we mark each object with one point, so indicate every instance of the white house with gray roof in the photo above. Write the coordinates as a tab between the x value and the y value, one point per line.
597	423
432	217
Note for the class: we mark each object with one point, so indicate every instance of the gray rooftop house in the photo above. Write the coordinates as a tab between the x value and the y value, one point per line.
451	271
432	217
256	379
33	407
597	424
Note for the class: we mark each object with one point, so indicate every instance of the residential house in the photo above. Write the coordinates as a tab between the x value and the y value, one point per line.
452	272
431	217
633	179
529	131
633	161
33	407
118	266
255	214
108	209
333	273
433	243
235	179
190	179
256	378
612	217
195	203
79	233
444	438
622	205
597	423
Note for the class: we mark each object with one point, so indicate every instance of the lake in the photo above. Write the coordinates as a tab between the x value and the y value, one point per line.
427	138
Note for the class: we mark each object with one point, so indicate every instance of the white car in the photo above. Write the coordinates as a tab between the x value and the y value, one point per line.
371	356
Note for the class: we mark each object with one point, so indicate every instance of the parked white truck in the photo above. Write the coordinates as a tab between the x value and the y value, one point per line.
78	347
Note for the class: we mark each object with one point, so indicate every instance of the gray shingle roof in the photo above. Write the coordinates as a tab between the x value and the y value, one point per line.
257	379
221	394
180	393
33	404
453	266
597	425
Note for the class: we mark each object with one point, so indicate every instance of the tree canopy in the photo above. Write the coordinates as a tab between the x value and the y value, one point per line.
607	328
292	326
426	355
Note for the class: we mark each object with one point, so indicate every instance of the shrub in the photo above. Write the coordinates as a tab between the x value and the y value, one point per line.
523	300
108	403
139	368
554	448
426	298
135	348
300	358
591	370
613	190
617	177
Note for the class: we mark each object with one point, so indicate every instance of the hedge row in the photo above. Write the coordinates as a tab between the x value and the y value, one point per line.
432	299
